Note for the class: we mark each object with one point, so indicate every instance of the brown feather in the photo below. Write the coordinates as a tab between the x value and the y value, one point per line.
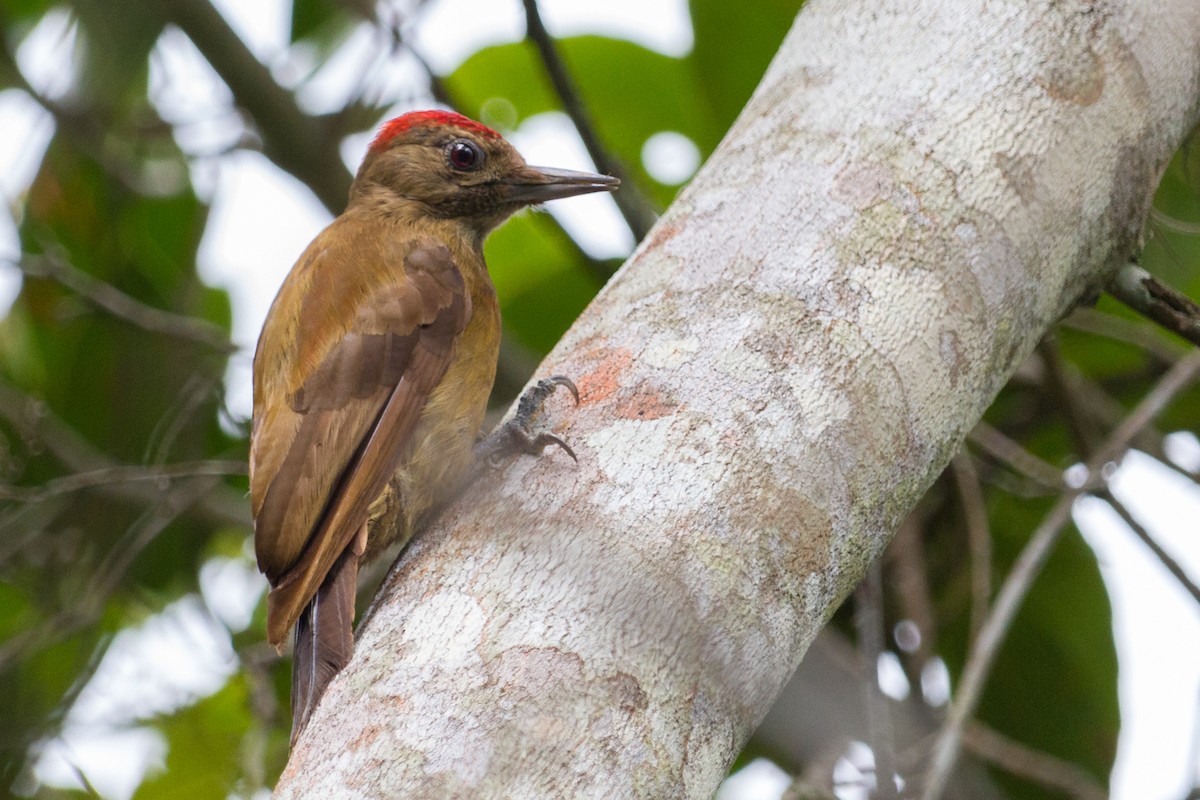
327	452
371	469
324	639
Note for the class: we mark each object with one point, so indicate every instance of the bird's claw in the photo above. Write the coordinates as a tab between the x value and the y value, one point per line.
516	436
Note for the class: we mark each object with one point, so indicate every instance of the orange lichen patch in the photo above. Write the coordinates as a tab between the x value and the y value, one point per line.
604	378
661	234
649	405
368	735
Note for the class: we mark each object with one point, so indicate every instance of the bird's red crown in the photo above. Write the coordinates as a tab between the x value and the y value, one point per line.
427	119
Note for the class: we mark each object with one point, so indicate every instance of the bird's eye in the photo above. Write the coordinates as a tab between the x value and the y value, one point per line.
464	155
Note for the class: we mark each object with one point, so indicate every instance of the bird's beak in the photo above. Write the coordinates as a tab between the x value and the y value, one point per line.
534	185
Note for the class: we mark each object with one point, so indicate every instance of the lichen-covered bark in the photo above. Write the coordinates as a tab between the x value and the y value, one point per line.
916	192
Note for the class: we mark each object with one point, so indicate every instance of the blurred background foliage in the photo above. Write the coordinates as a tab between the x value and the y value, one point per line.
122	479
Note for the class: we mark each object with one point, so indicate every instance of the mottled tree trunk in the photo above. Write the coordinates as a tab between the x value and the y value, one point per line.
914	195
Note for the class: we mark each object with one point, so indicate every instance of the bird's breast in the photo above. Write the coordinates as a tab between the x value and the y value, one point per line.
442	446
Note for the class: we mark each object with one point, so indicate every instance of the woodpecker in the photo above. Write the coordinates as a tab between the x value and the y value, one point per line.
373	370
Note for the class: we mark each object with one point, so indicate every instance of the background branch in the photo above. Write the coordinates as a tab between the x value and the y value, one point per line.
868	621
1165	558
979	538
120	305
1028	565
1157	301
634	205
1024	761
297	142
222	506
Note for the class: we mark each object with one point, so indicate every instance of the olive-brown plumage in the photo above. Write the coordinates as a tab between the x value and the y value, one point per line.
373	370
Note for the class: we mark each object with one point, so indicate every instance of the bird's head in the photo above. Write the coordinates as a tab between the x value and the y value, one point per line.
456	168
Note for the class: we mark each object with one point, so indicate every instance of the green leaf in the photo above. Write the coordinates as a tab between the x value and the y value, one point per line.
118	37
322	25
205	745
25	11
734	44
541	285
309	15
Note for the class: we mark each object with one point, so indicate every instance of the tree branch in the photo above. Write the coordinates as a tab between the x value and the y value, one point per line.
979	537
868	621
297	142
89	604
121	305
1027	567
1026	762
1005	450
132	473
908	580
634	205
786	364
37	422
1136	333
1173	566
1157	301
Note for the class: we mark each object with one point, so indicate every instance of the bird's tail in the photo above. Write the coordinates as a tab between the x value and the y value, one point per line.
324	638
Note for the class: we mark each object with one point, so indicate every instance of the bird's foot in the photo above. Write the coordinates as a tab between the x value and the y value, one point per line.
516	436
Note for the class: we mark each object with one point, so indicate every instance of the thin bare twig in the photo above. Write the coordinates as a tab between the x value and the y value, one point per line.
1109	411
121	305
1023	462
1174	224
868	620
37	422
1057	383
1026	569
1071	409
89	604
1162	555
1024	761
1157	301
123	473
908	580
979	537
1132	332
634	205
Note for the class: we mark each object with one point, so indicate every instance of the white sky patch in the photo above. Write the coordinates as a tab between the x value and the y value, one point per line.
935	682
354	147
1183	448
854	773
41	54
263	24
892	681
231	588
190	95
261	221
550	140
114	761
25	132
172	659
670	157
761	779
365	67
451	30
1156	625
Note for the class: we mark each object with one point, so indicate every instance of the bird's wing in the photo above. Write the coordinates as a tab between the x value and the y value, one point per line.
321	455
